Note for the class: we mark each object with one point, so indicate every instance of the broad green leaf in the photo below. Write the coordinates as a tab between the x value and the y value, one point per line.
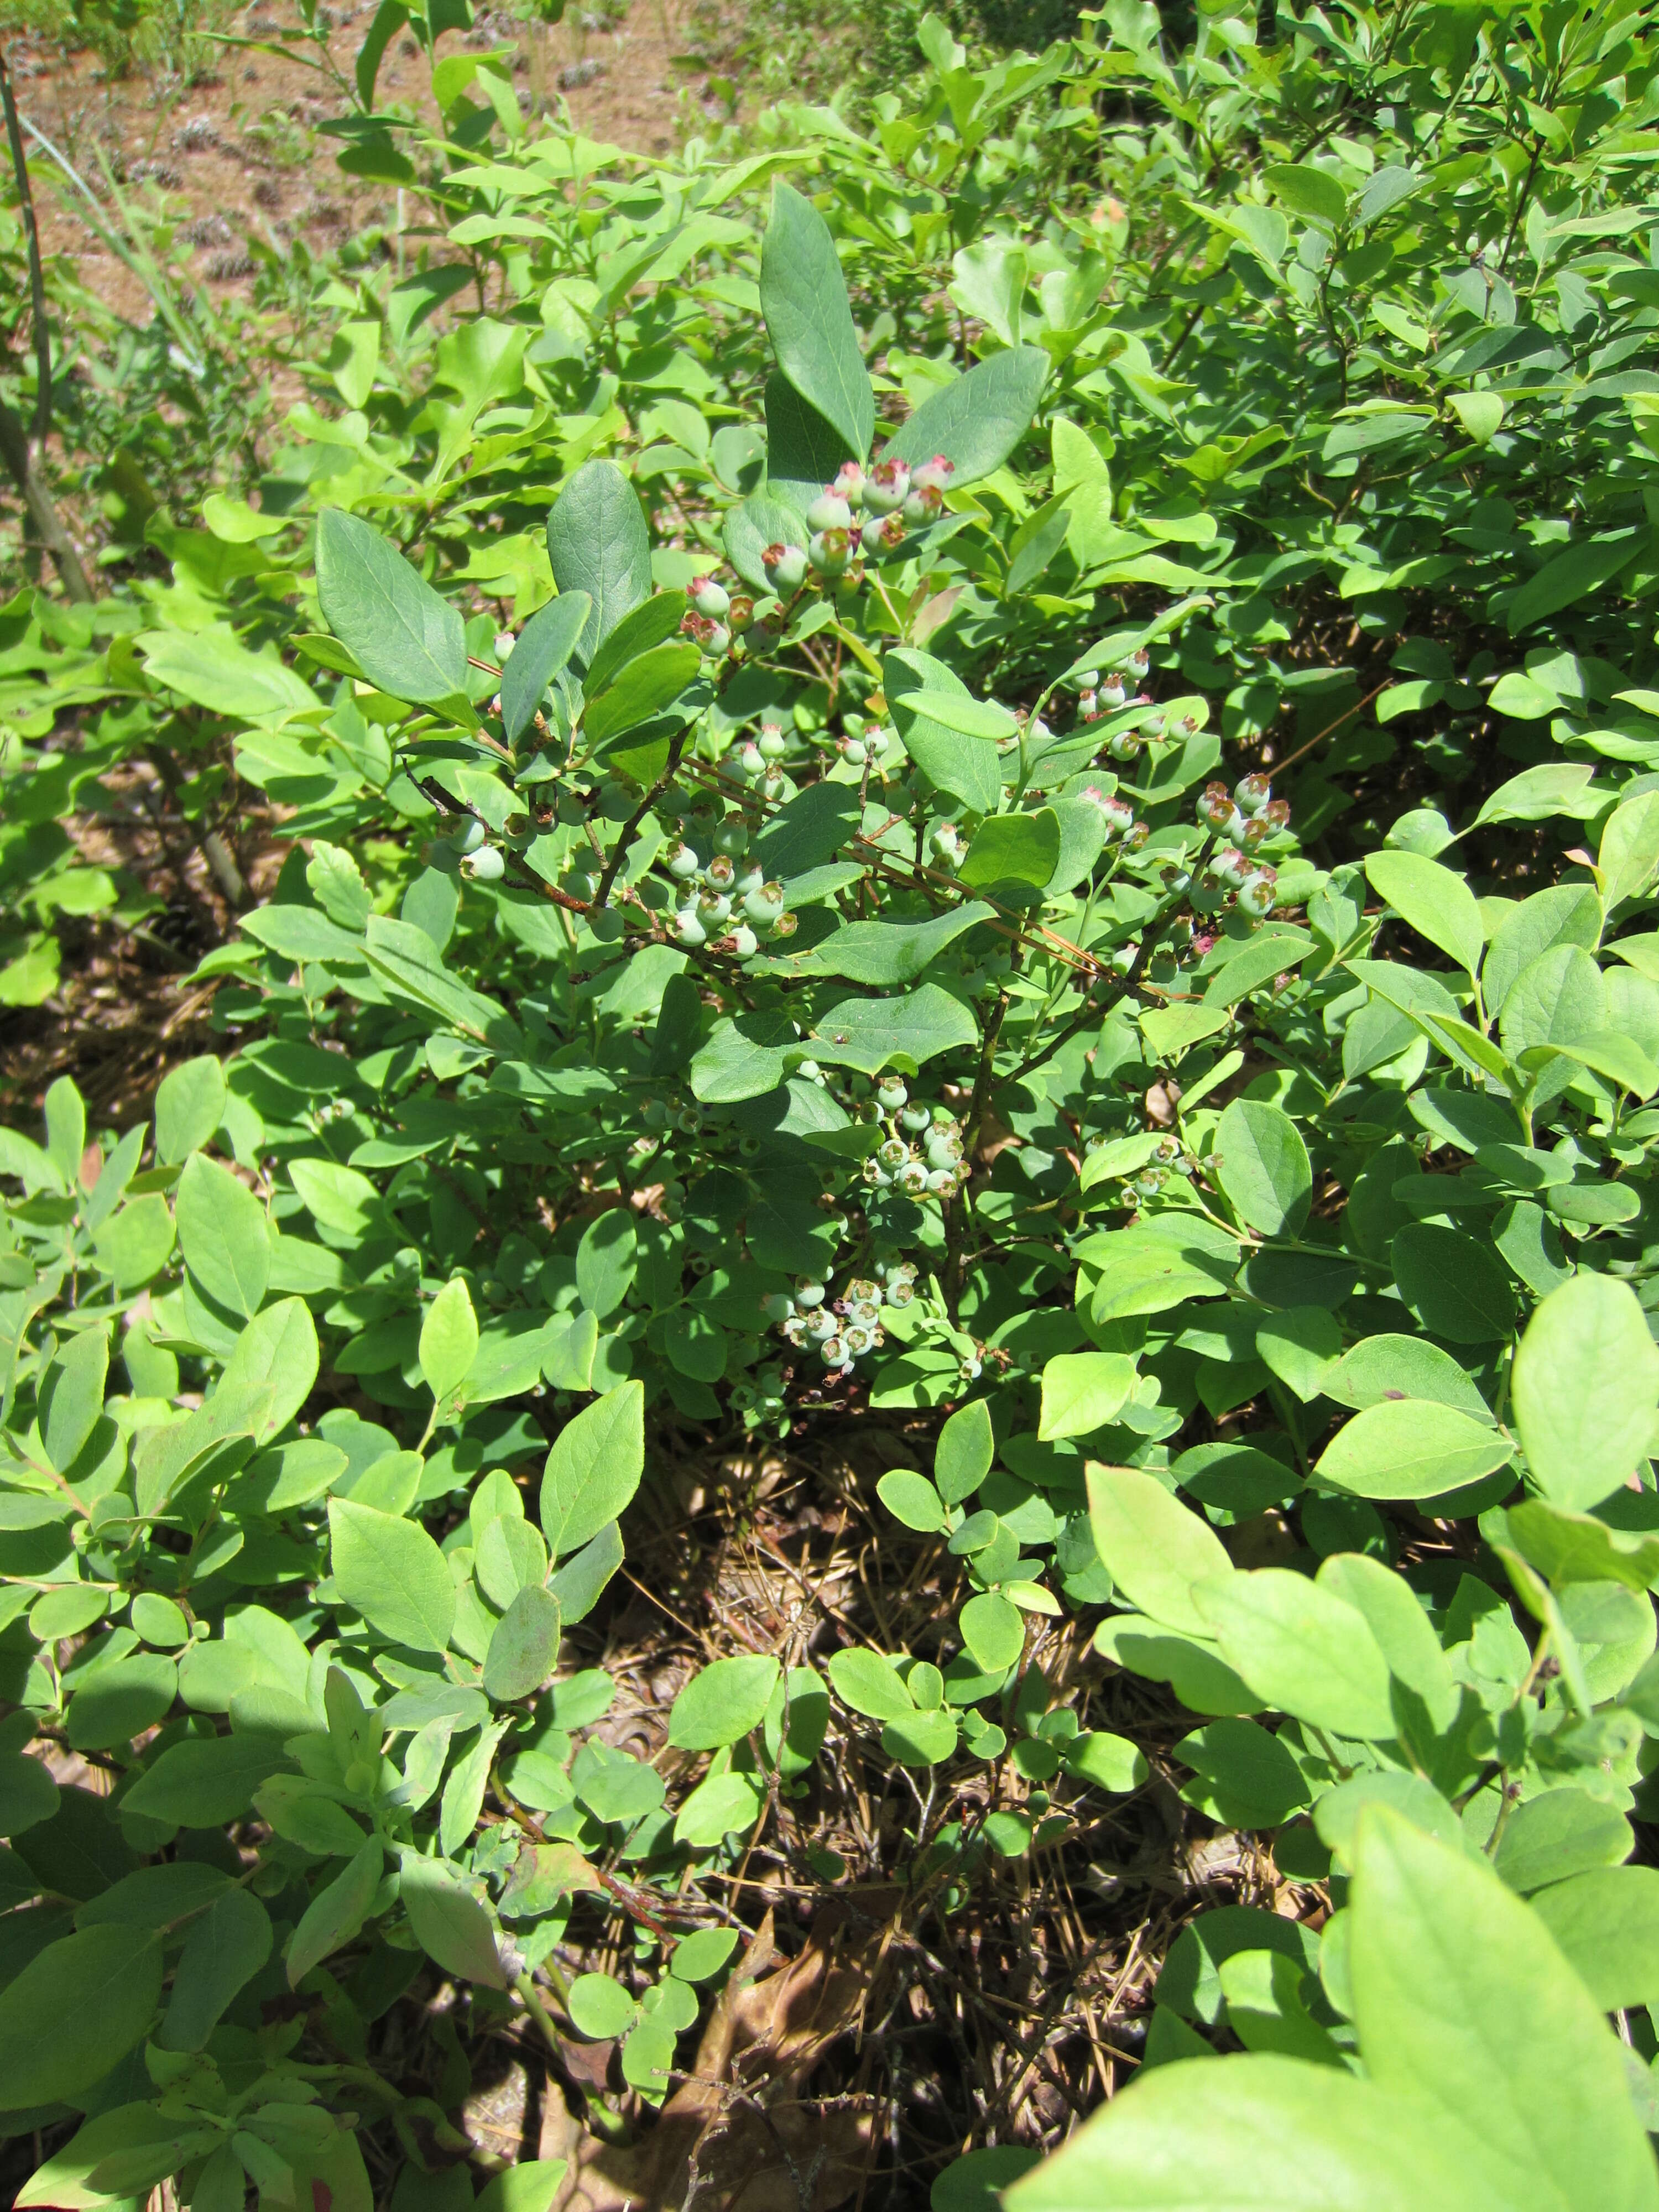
1020	850
223	1236
335	1913
223	1951
1438	904
189	1105
523	1645
1577	1548
277	1350
606	1261
1261	1163
1456	1286
919	1738
120	1700
804	299
723	1703
1606	1924
449	1340
1411	1448
390	1571
598	544
911	1498
600	2006
993	1632
968	767
963	1455
1585	1384
803	450
593	1469
1401	1627
410	642
1300	1648
544	646
868	1683
1450	1974
750	527
78	2008
1082	1391
1571	574
1557	1834
1391	1366
1258	2133
640	691
1110	1762
977	421
578	1583
1308	191
205	1782
890	953
530	2186
902	1032
214	670
71	1397
453	1928
1155	1551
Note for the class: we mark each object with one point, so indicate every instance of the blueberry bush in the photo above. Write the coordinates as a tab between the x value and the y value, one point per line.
958	992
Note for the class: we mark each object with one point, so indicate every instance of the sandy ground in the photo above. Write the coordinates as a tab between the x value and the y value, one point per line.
236	154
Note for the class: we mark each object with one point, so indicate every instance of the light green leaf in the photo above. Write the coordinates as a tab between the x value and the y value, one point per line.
963	1455
335	1913
593	1469
189	1106
598	544
223	1236
1013	849
1411	1448
1438	904
392	1573
408	641
544	646
993	1632
1261	1163
1155	1551
868	1683
453	1928
1585	1384
449	1340
1082	1391
804	300
723	1703
1300	1648
977	421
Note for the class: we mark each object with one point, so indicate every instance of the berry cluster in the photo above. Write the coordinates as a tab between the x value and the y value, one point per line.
1249	815
844	1328
889	497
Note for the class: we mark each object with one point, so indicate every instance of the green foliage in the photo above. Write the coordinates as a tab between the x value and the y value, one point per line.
1107	487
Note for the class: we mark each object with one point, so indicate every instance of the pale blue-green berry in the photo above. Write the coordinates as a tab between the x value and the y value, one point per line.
829	510
784	567
745	943
710	599
486	865
681	862
469	839
773	745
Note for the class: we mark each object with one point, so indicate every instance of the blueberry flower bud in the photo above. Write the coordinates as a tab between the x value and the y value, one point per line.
784	567
849	482
809	1072
764	904
732	836
886	487
893	1152
1276	814
1112	693
786	925
829	511
912	1178
924	503
853	751
1087	706
710	599
915	1117
713	906
830	549
749	761
1135	836
716	638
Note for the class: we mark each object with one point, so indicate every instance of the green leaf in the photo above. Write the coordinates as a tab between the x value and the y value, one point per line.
1261	1163
223	1236
1301	1649
993	1632
579	1582
1258	2134
449	1340
968	767
1021	850
868	1683
1438	904
1390	1366
78	2008
1455	1287
544	646
451	1927
601	2006
977	421
523	1645
335	1913
744	1058
605	1263
1110	1762
920	1738
904	1033
1583	569
1559	1834
1155	1550
277	1350
750	527
963	1455
223	1951
1450	1974
1629	851
1576	1548
1411	1448
723	1703
1606	1924
1585	1384
120	1700
889	952
597	542
189	1106
593	1469
804	451
408	641
530	2186
1312	194
390	1571
725	1804
212	668
641	690
70	1398
804	300
1082	1391
911	1498
205	1782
